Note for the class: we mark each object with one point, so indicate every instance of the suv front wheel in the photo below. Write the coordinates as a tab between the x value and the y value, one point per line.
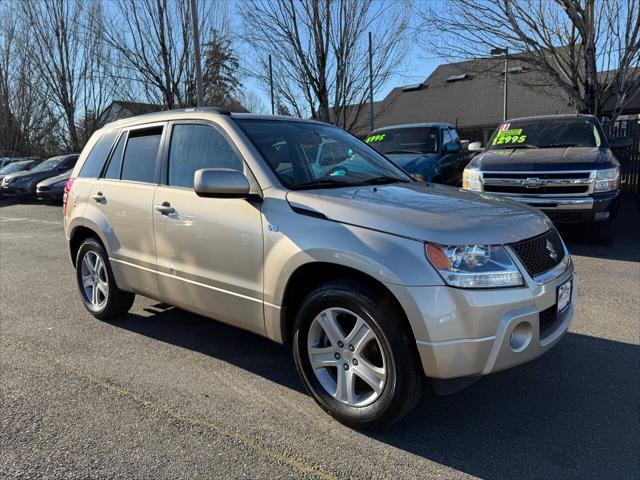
356	356
98	289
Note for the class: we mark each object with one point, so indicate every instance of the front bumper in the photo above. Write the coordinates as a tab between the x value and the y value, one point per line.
596	207
461	333
49	193
10	190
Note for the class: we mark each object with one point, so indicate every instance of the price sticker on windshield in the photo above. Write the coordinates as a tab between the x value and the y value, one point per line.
507	135
375	138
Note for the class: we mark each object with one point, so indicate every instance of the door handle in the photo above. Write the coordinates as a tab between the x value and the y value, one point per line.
99	197
165	208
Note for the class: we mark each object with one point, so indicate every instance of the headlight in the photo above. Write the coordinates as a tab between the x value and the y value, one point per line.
474	266
608	179
471	180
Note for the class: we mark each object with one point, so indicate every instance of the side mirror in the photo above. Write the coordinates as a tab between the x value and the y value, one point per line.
452	147
621	142
476	147
220	183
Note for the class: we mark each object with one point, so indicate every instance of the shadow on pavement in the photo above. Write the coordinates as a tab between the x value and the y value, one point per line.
572	413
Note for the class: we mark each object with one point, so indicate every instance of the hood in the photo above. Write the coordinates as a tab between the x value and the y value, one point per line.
58	178
30	176
543	159
430	212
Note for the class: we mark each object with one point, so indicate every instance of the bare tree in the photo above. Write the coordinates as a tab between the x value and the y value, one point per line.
153	43
220	75
319	51
589	48
28	125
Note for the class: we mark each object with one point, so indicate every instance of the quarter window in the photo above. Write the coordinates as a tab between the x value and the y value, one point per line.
141	155
98	155
196	146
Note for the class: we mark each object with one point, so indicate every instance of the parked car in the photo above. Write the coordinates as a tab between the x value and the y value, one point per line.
13	167
24	183
377	280
562	164
9	160
52	189
430	152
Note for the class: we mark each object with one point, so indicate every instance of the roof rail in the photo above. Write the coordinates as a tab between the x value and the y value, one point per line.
219	110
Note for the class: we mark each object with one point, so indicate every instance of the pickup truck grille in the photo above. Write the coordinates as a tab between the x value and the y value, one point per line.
538	183
540	254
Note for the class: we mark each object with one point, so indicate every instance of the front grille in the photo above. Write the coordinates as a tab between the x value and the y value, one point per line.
537	254
538	183
546	320
536	190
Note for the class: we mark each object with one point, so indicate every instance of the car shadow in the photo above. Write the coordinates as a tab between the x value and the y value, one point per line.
571	413
627	243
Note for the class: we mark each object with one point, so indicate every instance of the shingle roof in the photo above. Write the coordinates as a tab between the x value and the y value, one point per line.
476	99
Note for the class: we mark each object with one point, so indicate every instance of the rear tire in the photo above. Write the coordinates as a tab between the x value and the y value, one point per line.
366	373
98	290
603	233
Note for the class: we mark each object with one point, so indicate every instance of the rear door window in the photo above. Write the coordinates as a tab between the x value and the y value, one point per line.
141	155
196	146
98	155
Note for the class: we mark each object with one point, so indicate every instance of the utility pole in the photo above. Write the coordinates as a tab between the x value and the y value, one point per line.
196	48
273	109
505	52
371	82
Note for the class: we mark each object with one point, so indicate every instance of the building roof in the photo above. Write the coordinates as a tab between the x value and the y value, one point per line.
470	94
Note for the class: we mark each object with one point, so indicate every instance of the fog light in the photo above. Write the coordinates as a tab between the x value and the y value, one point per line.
521	336
601	216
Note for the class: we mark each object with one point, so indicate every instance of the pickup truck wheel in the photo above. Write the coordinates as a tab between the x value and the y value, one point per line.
603	233
98	289
356	356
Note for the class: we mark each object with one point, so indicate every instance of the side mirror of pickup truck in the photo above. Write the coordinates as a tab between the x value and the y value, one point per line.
476	147
452	147
220	183
620	142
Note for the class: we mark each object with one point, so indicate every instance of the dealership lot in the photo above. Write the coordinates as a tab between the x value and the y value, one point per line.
162	393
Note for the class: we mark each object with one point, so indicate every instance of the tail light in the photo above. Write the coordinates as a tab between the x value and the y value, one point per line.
65	197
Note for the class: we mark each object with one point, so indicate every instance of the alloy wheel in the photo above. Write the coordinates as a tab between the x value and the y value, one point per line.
347	357
95	283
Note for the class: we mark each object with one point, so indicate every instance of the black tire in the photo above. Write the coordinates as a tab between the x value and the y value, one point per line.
117	302
405	378
603	233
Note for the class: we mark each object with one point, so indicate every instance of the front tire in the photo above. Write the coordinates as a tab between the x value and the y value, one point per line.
356	355
98	290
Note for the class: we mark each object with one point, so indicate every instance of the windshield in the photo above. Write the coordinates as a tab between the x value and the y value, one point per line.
546	133
47	165
405	140
310	155
14	167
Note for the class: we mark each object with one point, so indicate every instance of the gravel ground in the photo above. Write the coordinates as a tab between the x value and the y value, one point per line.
162	393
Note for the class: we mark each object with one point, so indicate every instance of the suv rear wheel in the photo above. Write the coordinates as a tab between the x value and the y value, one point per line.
356	356
98	289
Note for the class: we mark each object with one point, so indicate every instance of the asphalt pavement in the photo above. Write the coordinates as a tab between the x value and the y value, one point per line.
161	393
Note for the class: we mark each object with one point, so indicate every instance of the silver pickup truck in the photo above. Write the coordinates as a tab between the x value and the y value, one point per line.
561	164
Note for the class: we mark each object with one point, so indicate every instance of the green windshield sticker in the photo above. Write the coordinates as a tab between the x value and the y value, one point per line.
508	135
375	138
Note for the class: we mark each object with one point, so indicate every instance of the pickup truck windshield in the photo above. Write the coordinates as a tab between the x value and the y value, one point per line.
546	133
309	155
405	140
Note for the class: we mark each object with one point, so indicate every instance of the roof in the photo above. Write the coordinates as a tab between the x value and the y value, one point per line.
413	125
470	94
202	112
553	117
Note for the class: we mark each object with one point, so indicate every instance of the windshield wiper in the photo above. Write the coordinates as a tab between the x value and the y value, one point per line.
515	147
382	180
402	151
321	184
562	145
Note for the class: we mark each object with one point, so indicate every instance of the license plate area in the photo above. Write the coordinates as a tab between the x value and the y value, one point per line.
564	296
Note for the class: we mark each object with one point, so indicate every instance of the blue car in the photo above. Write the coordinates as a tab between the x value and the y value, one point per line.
430	152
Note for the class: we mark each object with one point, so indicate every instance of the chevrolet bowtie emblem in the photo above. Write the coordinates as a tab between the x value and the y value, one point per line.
532	182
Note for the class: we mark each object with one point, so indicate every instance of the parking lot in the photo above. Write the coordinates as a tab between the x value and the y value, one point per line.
162	393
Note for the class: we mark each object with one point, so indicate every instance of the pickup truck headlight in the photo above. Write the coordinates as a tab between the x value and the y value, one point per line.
471	180
608	179
474	266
